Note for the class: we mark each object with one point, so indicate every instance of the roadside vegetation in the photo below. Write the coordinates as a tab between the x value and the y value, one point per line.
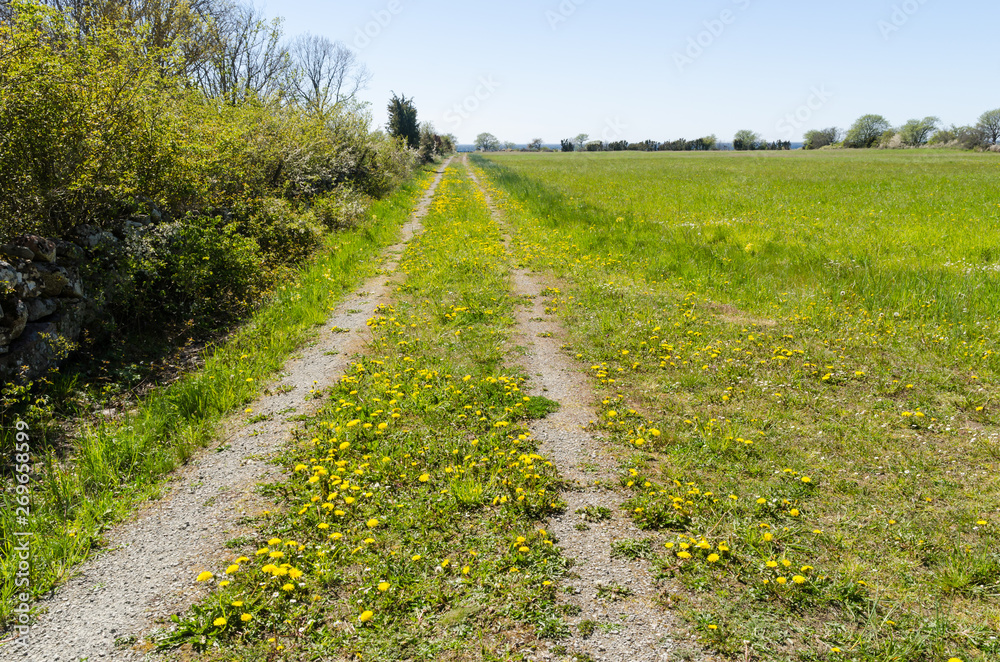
797	361
262	194
408	527
112	465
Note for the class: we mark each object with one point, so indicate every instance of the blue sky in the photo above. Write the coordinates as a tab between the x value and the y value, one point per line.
634	70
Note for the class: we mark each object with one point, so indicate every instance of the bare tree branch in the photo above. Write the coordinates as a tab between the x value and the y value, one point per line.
327	73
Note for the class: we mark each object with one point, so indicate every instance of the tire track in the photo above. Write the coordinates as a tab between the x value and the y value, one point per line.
148	571
617	619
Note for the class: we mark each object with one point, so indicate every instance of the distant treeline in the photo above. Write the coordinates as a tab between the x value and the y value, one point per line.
707	143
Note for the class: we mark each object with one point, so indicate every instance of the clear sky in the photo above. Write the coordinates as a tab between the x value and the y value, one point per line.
631	69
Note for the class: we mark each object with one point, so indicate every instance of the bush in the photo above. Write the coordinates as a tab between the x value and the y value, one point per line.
81	128
340	209
198	269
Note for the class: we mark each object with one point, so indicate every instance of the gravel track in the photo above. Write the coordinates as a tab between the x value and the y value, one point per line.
118	597
628	628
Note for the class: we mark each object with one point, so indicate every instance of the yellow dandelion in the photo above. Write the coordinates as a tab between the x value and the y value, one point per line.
205	576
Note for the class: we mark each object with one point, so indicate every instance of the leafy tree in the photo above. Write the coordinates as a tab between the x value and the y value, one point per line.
535	145
430	143
487	142
745	139
867	131
581	140
508	146
567	145
821	138
966	137
917	132
403	120
989	125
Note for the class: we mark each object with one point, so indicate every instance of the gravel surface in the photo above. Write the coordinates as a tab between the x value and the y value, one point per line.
120	596
614	594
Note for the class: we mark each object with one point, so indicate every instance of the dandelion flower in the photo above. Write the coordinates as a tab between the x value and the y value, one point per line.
424	478
233	569
246	617
372	523
384	586
366	616
781	580
712	558
799	579
288	587
205	576
219	622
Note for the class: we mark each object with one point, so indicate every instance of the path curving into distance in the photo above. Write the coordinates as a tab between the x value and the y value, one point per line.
120	595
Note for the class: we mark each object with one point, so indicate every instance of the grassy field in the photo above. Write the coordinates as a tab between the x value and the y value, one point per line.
796	355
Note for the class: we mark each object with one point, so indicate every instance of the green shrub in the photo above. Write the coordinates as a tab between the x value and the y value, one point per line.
197	269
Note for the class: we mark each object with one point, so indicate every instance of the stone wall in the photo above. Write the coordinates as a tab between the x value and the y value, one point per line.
44	304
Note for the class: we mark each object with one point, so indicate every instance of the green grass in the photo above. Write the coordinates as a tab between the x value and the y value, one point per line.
796	356
114	465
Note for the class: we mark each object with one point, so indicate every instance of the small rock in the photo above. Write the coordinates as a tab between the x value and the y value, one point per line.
12	250
39	308
42	249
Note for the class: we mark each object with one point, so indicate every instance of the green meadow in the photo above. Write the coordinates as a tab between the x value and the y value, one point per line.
795	355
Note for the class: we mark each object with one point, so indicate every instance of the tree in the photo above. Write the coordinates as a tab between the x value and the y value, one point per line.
567	145
403	120
916	132
581	140
327	73
821	138
867	131
487	142
745	139
508	146
966	137
430	143
535	145
244	56
989	126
